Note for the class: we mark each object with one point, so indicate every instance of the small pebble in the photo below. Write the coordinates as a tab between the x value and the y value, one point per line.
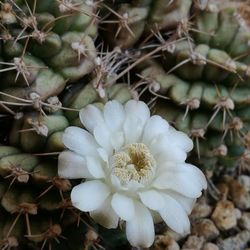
201	209
244	221
238	242
244	180
205	228
224	215
210	246
238	213
223	188
174	235
193	243
165	242
239	194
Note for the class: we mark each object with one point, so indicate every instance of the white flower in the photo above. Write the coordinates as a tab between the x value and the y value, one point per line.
135	170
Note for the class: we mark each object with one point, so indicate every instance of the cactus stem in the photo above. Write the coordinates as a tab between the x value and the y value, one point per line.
151	85
122	22
179	65
226	104
247	139
41	129
20	67
28	223
234	126
144	57
193	103
65	204
62	184
13	225
213	190
230	66
52	233
244	161
67	6
7	109
80	219
220	151
152	102
50	153
45	191
18	174
197	134
91	240
36	102
15	103
8	243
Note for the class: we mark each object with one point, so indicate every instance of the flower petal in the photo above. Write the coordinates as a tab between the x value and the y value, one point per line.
102	136
72	166
79	141
152	199
105	215
117	140
103	154
186	202
133	128
90	195
140	230
123	206
163	146
137	113
95	167
90	117
155	126
180	139
114	115
175	216
137	109
182	182
195	172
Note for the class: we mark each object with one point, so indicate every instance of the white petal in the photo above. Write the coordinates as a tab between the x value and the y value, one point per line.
117	140
175	216
114	115
196	172
138	109
184	183
123	206
163	146
154	127
152	199
79	141
140	230
90	117
133	128
115	181
72	166
90	195
137	113
102	136
180	139
95	167
105	215
103	154
186	202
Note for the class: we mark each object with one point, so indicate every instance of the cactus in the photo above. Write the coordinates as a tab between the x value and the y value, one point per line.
202	68
44	46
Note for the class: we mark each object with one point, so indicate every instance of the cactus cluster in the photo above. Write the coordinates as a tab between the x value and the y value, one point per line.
188	59
199	62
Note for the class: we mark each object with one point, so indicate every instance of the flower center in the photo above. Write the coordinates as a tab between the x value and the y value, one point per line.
133	162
